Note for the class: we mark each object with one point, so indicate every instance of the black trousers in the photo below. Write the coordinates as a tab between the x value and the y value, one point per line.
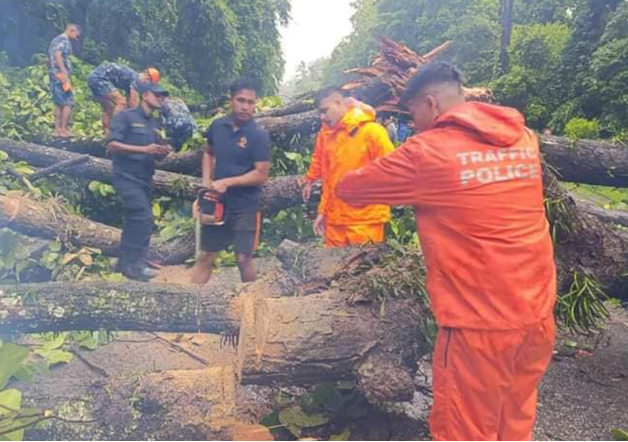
137	213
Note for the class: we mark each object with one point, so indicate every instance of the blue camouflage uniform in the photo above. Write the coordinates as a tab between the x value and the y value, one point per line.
59	96
177	121
108	77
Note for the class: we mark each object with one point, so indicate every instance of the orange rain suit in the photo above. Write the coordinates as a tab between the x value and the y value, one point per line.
354	142
475	182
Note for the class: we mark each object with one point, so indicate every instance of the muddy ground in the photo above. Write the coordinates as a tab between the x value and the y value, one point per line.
584	395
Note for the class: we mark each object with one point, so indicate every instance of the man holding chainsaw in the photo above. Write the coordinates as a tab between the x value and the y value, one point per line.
236	164
474	176
349	139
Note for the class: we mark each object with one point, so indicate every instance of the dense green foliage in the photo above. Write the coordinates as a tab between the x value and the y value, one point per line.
568	58
202	43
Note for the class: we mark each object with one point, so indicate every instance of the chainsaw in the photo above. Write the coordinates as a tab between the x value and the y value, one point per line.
211	207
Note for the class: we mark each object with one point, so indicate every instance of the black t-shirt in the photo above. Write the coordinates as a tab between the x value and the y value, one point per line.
236	152
134	126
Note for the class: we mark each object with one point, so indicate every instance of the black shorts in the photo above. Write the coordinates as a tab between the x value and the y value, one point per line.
240	230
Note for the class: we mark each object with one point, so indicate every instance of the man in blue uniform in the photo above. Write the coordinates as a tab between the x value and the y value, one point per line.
60	71
134	144
178	122
236	163
109	81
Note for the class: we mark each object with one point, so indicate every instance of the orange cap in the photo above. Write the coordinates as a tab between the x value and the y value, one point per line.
153	74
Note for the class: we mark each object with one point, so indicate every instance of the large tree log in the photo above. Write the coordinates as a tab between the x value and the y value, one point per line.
584	243
283	337
128	306
188	163
587	161
50	221
278	193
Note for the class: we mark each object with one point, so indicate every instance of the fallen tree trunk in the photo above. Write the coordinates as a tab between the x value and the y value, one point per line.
50	221
584	243
278	194
188	163
587	161
619	217
127	306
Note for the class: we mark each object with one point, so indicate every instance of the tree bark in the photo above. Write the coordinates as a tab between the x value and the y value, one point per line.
278	194
127	306
49	221
619	217
188	163
587	161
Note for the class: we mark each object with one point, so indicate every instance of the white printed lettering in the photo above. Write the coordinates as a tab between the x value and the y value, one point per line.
464	158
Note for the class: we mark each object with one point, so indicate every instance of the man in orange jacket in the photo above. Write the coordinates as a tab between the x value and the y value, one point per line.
474	177
349	139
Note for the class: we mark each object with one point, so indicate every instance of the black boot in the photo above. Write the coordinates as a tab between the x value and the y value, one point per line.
133	266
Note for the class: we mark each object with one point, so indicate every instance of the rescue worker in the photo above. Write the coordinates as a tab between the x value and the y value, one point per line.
473	175
134	146
178	122
60	72
349	139
109	80
236	163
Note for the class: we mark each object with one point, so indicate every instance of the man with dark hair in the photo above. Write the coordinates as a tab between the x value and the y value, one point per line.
134	145
60	71
236	164
474	176
109	81
349	139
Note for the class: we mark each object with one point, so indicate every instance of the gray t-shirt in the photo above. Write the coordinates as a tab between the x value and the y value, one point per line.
60	43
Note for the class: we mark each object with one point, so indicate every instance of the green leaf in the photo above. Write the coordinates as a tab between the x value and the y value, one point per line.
156	210
13	400
10	398
11	358
295	416
3	155
271	420
342	436
58	357
618	434
54	247
570	344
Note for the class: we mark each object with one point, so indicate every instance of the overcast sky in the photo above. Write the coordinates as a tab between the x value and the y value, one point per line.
316	28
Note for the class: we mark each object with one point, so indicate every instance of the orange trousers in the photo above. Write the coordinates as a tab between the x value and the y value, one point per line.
485	382
354	235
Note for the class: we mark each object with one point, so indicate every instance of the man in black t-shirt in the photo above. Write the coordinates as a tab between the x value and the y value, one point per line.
235	163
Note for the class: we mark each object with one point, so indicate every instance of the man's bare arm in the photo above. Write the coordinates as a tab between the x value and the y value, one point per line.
59	62
256	177
208	164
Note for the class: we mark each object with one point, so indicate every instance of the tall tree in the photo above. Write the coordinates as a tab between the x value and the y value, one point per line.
202	43
507	8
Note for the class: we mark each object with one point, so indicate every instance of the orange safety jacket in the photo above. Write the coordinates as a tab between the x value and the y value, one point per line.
475	181
353	143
